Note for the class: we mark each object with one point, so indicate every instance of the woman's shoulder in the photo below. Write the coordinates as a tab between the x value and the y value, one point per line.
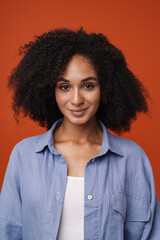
134	156
135	166
127	146
30	144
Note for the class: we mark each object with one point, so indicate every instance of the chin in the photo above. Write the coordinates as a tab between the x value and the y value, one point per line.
79	120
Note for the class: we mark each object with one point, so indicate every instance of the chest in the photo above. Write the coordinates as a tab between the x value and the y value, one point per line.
77	157
109	206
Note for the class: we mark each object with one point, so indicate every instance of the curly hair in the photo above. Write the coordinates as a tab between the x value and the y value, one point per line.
44	61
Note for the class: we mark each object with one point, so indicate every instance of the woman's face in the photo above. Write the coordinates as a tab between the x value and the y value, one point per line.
77	92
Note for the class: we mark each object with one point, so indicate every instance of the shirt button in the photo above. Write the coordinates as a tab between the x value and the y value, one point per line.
90	197
93	160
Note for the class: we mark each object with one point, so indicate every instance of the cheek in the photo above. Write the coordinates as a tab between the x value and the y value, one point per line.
61	99
95	99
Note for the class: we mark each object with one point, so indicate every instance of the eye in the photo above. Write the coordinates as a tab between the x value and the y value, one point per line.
88	85
64	87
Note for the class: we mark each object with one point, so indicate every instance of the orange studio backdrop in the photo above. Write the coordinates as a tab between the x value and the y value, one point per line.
132	26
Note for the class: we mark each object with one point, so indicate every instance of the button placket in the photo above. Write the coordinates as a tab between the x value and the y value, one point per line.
91	200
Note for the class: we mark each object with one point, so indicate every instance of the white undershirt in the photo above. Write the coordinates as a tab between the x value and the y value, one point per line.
72	217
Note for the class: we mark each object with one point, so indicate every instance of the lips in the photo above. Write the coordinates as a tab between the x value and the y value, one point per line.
79	110
78	113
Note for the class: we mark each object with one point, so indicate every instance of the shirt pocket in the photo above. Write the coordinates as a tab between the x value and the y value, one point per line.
130	213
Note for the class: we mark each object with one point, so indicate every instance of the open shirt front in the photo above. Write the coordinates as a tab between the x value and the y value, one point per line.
119	192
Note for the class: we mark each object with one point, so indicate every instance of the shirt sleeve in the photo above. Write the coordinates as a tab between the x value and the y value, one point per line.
152	227
10	201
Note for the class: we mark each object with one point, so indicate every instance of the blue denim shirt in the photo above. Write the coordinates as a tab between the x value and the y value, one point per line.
124	204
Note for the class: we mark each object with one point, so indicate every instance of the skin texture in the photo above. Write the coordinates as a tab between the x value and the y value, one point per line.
78	133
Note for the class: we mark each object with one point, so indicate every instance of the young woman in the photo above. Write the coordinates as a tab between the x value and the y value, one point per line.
77	180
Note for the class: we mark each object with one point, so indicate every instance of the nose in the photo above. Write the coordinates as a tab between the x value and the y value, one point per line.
77	98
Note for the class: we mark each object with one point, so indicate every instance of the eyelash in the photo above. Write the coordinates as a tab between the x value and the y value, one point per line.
90	86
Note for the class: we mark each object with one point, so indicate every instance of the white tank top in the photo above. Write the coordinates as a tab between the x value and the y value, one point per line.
72	217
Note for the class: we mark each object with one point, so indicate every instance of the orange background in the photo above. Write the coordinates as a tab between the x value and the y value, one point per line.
133	26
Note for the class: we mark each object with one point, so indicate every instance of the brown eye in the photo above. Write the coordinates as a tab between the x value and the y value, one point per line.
64	87
89	85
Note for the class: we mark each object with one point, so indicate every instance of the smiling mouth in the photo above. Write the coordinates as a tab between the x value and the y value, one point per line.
81	110
78	113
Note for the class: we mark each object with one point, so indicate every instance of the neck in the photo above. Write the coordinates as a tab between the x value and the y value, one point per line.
79	133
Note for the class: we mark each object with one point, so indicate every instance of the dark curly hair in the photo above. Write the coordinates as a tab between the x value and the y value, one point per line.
44	61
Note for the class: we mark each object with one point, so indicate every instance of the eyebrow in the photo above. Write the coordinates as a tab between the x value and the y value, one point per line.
83	80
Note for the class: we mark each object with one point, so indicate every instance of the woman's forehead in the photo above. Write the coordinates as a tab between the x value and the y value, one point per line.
79	64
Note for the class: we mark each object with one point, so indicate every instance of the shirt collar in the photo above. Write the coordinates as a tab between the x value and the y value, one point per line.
109	141
46	139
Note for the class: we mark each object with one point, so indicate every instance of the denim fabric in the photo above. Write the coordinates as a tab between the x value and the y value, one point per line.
123	205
